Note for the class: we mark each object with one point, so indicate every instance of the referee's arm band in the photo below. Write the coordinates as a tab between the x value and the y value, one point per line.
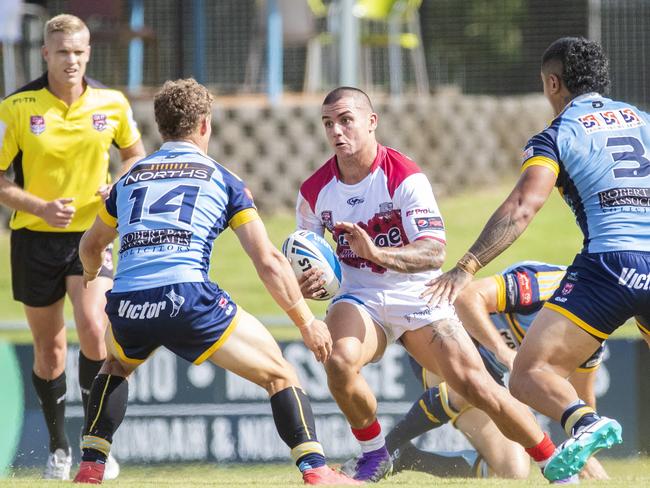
542	161
107	218
243	217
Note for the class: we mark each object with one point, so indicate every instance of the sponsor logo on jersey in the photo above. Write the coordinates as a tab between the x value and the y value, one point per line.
419	211
525	289
560	299
634	280
424	313
424	223
137	311
568	288
165	171
37	124
99	122
355	201
572	276
24	100
326	219
385	207
155	237
605	120
624	197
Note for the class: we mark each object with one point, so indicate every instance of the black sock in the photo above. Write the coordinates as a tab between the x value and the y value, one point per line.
430	411
294	420
88	369
413	459
106	408
51	394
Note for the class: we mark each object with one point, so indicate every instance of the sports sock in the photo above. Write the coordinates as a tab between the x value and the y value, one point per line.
88	369
51	394
445	466
294	420
542	451
106	408
576	416
370	438
430	411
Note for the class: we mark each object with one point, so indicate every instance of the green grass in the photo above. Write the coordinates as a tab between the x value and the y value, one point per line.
624	473
552	237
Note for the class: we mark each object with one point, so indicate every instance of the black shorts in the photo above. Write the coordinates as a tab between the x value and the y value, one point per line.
40	262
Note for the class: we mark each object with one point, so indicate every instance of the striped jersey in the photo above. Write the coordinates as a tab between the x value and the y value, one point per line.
168	209
600	149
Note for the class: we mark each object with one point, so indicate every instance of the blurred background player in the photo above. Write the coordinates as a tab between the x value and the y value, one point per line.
56	132
390	240
595	151
169	208
496	311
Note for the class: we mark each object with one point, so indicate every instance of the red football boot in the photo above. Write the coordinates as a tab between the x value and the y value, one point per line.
90	472
327	476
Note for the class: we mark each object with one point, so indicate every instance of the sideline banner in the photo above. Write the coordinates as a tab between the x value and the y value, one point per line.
179	412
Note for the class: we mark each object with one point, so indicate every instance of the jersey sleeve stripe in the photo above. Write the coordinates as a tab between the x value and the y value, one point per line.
243	217
542	161
576	320
107	218
431	237
501	293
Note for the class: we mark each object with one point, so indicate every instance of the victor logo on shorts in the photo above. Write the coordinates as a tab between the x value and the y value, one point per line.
630	278
146	310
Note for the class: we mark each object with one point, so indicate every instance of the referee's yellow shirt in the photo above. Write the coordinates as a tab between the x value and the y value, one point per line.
61	151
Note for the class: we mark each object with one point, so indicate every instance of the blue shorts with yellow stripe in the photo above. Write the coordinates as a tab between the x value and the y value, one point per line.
601	291
190	319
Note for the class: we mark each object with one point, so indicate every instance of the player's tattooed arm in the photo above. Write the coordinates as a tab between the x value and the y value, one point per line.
499	233
420	255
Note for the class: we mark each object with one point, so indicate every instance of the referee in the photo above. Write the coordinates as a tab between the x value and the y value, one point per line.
56	132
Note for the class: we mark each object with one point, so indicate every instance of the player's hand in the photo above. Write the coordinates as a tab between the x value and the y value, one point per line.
317	338
311	283
506	356
103	191
58	213
446	287
358	239
88	277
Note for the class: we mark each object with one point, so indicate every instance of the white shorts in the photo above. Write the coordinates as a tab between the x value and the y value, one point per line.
395	311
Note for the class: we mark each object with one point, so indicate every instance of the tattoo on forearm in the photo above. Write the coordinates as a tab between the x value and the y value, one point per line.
446	329
498	234
414	259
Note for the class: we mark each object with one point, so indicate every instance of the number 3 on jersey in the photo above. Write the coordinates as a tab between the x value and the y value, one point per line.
637	154
185	208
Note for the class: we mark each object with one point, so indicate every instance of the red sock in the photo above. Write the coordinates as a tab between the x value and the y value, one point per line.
370	438
543	450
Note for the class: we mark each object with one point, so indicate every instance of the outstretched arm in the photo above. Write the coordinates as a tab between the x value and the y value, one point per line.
474	306
504	227
278	278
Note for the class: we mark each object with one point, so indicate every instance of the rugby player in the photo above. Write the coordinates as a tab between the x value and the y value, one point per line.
390	240
496	311
169	208
56	132
596	152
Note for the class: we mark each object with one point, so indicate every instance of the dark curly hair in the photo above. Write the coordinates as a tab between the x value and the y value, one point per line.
585	67
179	107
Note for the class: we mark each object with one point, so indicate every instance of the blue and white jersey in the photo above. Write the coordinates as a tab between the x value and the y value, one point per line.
168	209
600	151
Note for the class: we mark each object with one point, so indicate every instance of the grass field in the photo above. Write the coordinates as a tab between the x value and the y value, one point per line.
625	473
552	237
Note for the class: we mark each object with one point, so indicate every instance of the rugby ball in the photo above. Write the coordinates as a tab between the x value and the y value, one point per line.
305	250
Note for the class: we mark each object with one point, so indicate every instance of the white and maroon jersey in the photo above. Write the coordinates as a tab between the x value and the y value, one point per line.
394	204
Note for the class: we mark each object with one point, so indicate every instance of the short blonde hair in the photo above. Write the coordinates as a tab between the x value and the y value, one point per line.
179	107
66	23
